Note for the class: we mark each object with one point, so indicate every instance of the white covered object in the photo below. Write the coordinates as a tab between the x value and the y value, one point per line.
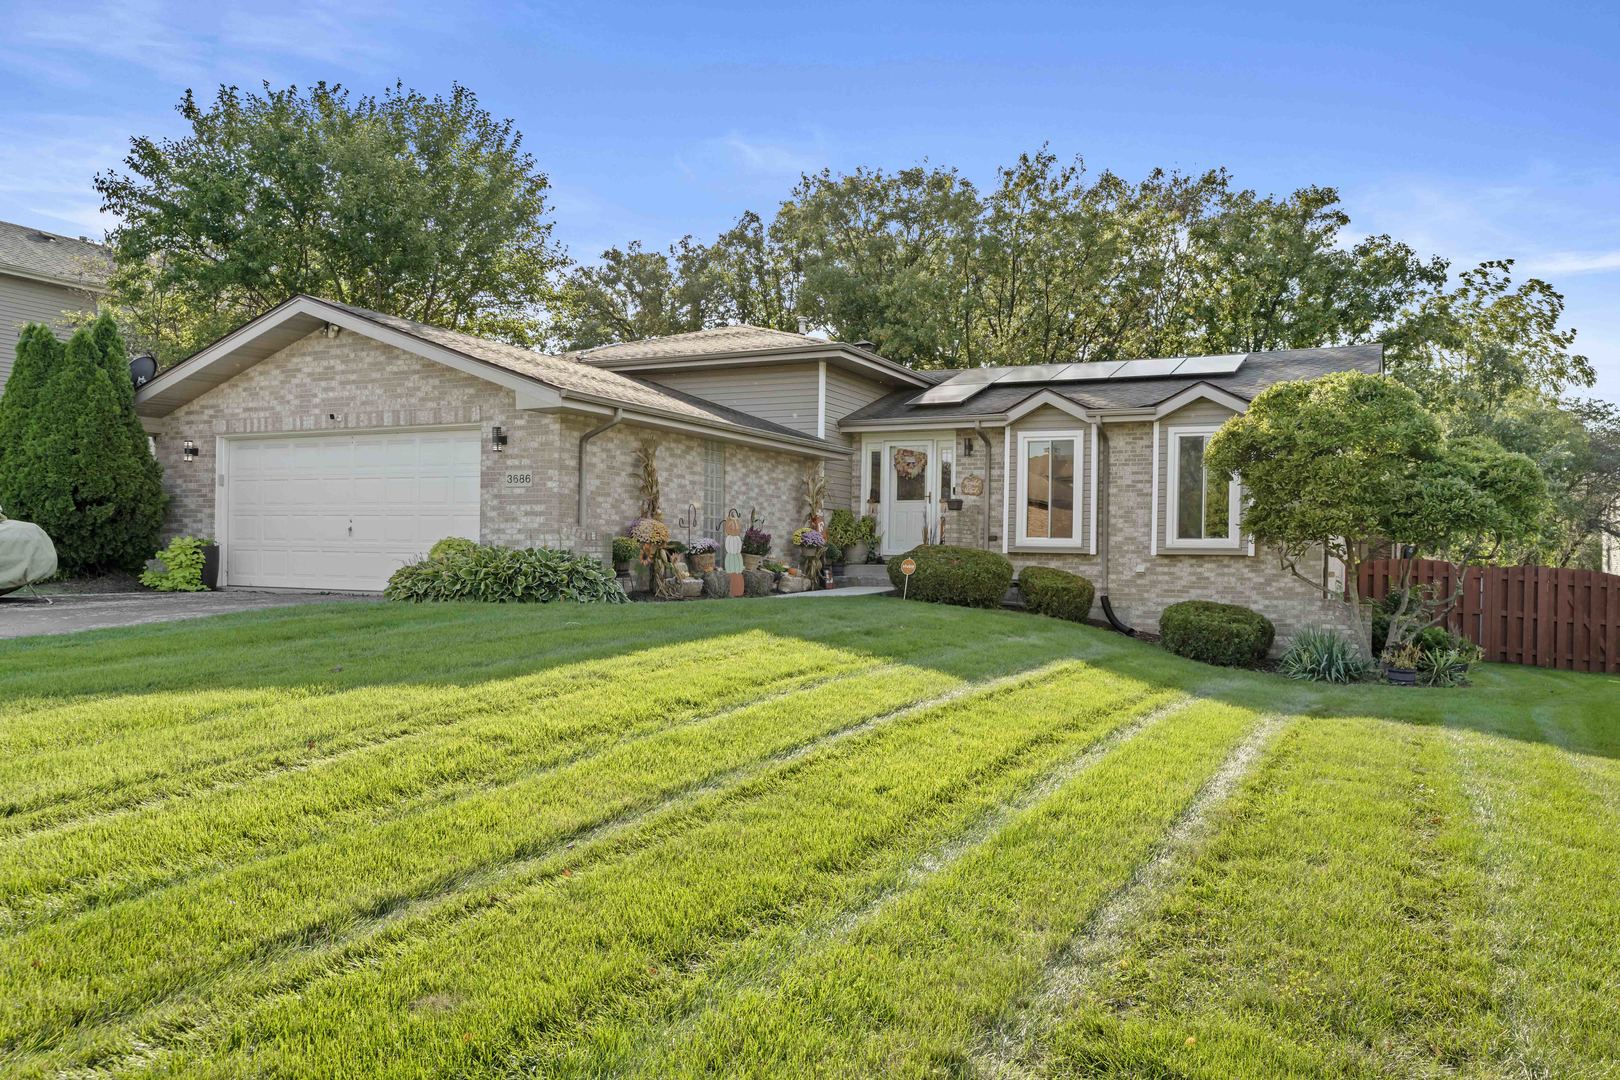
26	555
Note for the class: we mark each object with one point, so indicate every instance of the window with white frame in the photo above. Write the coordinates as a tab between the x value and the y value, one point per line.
1202	506
1048	511
714	488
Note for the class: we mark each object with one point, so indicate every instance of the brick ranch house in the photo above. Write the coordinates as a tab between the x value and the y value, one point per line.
323	445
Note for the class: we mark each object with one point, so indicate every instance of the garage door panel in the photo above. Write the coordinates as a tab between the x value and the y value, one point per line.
346	511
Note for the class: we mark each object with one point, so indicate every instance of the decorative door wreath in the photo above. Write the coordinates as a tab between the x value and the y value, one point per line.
909	464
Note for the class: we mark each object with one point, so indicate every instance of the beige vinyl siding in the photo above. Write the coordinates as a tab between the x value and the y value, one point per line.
1050	419
846	393
1193	415
786	394
23	301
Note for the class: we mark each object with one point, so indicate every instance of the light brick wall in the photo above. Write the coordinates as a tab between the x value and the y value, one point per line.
1141	585
352	382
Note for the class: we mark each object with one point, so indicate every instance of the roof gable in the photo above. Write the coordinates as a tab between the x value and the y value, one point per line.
540	381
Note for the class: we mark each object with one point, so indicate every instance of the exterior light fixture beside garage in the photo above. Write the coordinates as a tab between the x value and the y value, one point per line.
497	439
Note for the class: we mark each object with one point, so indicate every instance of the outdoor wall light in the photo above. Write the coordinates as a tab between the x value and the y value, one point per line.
189	449
497	439
967	446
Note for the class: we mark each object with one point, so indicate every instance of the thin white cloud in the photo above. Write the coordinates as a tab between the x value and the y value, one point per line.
1568	263
766	157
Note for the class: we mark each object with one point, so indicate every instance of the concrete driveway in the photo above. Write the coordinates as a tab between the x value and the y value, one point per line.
66	613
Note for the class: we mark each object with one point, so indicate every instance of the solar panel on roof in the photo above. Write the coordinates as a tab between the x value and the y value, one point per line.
1145	369
1211	365
1087	372
1031	373
958	387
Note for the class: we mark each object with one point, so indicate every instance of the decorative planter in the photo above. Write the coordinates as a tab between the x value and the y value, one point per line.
700	564
953	504
641	575
855	554
751	562
1400	676
210	566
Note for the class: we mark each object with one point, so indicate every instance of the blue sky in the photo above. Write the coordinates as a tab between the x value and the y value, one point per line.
1471	131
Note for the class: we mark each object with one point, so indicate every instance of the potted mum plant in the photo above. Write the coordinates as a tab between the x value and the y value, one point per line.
1401	664
756	545
700	556
812	544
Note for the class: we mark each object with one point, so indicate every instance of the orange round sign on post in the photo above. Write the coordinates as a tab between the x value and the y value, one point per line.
907	568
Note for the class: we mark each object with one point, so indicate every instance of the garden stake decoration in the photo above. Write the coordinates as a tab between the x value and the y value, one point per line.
734	563
688	521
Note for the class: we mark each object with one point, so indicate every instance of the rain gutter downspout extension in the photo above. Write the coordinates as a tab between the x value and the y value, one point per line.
618	416
1105	464
989	471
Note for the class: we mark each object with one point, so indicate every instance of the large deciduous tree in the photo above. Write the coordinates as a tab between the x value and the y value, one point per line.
73	455
424	207
1350	462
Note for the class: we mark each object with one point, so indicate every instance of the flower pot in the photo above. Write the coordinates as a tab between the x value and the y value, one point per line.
855	555
700	563
1400	676
210	566
641	573
751	562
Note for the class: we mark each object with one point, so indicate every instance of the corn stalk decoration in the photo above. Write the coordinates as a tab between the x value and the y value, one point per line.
647	463
815	496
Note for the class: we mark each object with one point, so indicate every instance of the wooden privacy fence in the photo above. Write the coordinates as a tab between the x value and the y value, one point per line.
1546	616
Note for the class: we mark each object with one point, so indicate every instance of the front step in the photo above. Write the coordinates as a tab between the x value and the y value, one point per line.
864	574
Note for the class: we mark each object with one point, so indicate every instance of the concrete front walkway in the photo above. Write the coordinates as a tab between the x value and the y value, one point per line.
21	616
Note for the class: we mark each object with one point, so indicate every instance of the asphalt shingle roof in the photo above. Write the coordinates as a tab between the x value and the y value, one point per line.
719	339
61	258
1258	371
571	376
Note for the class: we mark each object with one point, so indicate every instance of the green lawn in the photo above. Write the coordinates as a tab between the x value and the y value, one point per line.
840	837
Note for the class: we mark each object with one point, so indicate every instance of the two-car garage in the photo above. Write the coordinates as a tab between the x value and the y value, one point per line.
342	511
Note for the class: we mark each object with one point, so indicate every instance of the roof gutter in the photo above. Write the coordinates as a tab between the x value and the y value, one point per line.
618	418
717	429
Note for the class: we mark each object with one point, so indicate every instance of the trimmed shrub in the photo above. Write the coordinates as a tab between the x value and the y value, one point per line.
1224	634
505	575
954	575
1058	593
1322	656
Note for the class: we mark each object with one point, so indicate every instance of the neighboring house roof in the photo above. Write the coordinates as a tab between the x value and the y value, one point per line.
34	253
545	379
731	346
739	338
1125	392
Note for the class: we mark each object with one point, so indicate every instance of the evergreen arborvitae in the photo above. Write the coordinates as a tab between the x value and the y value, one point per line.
76	461
38	354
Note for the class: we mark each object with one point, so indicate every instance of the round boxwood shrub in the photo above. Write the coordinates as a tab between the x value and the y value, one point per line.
1223	634
1058	593
954	575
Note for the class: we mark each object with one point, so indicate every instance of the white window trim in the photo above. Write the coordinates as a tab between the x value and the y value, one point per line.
1075	543
1173	486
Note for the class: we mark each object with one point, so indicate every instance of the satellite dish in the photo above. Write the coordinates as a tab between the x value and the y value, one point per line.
141	370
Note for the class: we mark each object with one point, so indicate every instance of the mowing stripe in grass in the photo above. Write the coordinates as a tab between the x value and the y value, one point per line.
998	1053
550	953
1333	925
270	734
318	891
1552	850
903	993
656	1018
48	872
286	975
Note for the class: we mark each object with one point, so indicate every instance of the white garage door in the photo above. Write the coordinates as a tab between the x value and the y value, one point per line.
344	511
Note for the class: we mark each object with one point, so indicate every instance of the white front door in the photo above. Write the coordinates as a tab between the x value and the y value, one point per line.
344	511
909	469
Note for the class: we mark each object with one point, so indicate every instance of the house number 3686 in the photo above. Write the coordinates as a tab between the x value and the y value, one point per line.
518	480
